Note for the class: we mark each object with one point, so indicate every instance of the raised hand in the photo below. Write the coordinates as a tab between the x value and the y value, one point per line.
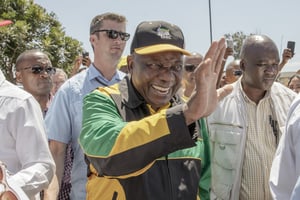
286	56
205	97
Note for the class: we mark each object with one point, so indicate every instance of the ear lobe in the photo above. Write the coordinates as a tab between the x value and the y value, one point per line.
242	65
130	63
18	77
92	38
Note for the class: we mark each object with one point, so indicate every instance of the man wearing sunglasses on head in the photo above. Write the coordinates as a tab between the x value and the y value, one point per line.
64	118
23	145
34	71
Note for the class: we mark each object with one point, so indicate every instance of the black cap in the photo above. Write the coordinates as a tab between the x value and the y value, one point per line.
157	36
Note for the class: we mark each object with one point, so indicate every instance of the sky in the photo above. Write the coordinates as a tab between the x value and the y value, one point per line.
278	19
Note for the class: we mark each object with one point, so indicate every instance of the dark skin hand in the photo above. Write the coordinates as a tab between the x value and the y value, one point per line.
204	99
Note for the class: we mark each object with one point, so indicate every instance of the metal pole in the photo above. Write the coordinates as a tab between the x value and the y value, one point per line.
210	24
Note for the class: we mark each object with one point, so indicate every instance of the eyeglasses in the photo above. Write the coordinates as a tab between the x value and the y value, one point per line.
237	73
189	67
112	34
37	69
159	67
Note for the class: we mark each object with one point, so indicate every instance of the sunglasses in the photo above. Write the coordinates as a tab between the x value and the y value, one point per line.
189	67
237	73
112	34
37	69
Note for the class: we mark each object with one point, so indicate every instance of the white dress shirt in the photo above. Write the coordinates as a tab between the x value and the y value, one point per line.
286	165
23	144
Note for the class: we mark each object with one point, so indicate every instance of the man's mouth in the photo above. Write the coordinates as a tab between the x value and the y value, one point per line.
161	90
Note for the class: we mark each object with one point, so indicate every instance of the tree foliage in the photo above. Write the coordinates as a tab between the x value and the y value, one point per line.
33	28
237	38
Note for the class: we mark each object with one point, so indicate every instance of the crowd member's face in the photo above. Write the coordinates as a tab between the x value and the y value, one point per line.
233	72
105	46
188	73
295	84
38	84
157	77
57	80
260	66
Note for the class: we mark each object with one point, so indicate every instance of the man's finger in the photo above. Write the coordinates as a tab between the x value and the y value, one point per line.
222	50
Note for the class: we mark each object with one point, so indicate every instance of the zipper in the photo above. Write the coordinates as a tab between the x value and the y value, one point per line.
115	195
170	178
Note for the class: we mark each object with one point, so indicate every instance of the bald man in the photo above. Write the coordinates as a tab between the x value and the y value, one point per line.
246	126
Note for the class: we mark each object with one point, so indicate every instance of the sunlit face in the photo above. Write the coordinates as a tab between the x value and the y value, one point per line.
295	84
260	67
105	46
36	84
190	65
233	72
157	77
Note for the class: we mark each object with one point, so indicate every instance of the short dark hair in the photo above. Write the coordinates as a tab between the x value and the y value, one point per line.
23	56
96	23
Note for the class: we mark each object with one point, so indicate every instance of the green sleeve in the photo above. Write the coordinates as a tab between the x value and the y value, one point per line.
205	180
109	142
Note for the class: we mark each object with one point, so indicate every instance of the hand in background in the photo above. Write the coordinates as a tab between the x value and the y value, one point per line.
286	56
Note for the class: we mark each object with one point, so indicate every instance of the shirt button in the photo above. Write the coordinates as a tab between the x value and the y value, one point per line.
222	146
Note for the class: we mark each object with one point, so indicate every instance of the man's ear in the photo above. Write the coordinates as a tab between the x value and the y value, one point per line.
130	63
92	38
242	65
19	77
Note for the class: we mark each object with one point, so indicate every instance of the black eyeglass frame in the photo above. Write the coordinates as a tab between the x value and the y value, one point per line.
189	67
113	34
38	69
237	72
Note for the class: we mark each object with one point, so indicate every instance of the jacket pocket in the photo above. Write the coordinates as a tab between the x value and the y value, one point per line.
225	142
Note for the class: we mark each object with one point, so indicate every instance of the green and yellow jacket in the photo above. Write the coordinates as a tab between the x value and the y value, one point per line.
135	152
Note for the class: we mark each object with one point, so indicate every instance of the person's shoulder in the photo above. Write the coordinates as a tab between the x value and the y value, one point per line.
281	89
15	98
10	90
77	78
106	91
74	83
296	102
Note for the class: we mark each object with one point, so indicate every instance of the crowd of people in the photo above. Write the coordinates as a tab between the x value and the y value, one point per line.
159	123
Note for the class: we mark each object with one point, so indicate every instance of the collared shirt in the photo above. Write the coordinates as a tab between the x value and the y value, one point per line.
24	146
114	133
259	151
286	164
64	119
